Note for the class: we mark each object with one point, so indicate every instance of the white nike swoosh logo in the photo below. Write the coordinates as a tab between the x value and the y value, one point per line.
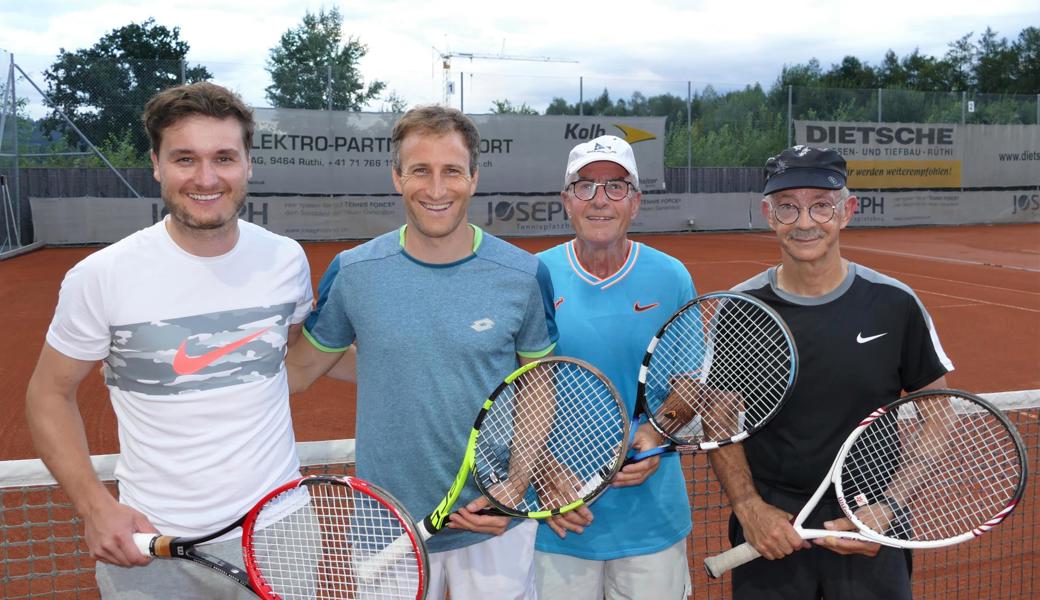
864	340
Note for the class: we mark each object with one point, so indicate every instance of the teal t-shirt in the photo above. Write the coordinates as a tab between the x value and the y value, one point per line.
609	322
433	342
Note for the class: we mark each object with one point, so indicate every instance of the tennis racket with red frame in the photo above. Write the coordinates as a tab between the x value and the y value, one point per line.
306	538
931	469
717	371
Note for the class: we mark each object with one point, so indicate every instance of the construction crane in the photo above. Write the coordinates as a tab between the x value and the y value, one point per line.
449	83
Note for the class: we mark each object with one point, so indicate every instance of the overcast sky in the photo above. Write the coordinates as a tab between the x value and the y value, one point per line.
654	46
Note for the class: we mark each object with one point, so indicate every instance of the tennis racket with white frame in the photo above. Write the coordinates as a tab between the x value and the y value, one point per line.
932	469
717	371
307	538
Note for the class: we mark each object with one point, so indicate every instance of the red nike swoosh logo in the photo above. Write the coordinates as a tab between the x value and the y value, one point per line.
186	365
644	308
558	302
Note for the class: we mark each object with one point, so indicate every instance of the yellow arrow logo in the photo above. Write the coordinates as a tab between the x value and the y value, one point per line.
633	135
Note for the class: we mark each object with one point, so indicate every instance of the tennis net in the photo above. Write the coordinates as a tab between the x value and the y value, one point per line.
43	555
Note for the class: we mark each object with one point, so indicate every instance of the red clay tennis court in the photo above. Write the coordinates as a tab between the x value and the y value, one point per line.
981	285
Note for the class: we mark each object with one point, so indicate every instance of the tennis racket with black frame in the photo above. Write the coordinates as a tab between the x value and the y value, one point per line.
717	371
307	538
932	469
549	439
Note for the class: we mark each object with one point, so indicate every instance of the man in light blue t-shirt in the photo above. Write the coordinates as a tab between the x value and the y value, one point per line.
441	312
611	297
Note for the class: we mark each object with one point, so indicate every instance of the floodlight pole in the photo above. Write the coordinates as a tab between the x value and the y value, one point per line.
689	137
581	96
790	123
17	158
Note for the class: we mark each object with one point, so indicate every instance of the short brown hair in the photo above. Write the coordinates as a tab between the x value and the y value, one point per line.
201	98
436	120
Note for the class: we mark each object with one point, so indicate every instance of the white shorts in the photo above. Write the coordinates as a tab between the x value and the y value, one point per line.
663	575
501	568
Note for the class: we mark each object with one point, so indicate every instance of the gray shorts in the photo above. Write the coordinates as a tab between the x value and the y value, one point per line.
163	579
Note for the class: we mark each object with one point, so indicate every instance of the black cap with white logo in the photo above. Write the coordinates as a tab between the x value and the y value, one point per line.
805	167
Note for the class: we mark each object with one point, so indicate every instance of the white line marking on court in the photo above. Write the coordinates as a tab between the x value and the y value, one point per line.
1012	306
942	258
700	263
969	305
962	282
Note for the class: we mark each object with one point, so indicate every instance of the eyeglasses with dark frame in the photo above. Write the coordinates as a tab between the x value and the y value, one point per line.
615	189
819	212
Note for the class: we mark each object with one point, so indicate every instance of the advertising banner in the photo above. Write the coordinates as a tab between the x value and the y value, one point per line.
87	220
930	156
348	153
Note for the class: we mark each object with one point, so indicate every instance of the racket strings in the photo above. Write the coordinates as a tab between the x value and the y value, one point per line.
719	369
552	437
318	536
949	467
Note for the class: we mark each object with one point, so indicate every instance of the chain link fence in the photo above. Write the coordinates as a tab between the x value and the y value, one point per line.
63	114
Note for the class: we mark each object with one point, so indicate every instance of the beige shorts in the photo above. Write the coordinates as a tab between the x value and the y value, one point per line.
663	575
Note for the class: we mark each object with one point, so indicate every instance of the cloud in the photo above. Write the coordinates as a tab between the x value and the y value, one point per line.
655	47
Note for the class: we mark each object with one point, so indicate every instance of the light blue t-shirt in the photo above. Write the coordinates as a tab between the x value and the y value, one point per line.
609	322
433	342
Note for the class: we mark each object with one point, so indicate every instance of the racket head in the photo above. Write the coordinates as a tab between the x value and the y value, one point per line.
717	371
311	537
550	438
934	468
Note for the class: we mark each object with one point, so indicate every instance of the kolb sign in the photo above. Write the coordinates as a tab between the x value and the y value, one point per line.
348	153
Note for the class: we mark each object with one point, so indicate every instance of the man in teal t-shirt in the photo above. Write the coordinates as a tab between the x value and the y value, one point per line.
441	312
611	297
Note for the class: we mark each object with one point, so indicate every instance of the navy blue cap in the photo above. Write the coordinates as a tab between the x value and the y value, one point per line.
805	167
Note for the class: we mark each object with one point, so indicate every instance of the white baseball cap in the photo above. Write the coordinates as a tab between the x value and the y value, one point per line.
606	147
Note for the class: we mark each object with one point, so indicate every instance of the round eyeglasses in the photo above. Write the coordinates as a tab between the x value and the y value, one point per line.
615	189
820	212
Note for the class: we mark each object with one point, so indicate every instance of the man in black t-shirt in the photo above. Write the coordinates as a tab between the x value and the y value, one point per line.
863	338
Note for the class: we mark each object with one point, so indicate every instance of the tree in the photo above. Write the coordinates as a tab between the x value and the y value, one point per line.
20	125
103	89
505	107
310	68
394	103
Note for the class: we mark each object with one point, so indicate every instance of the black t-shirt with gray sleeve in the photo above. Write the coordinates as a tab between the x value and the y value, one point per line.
859	347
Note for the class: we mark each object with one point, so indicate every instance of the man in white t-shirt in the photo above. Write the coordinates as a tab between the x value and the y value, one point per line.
192	317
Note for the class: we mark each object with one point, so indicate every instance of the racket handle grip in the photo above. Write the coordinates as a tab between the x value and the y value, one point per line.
648	453
720	564
492	511
143	541
374	567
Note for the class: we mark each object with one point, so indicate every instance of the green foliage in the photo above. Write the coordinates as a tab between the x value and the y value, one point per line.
21	125
505	107
394	103
743	127
119	149
988	64
308	56
103	89
739	128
